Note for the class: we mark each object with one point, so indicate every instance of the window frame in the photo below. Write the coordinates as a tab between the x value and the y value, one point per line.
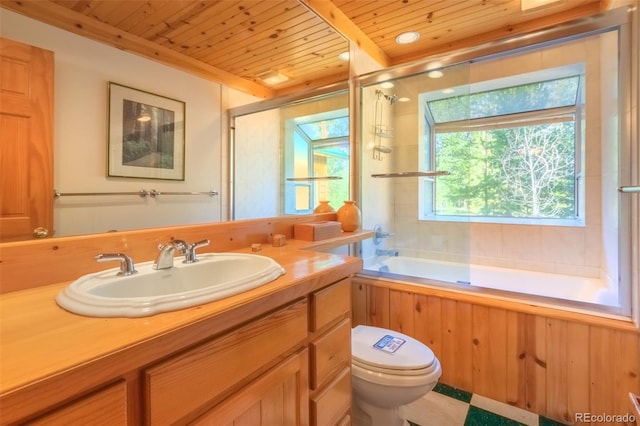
427	187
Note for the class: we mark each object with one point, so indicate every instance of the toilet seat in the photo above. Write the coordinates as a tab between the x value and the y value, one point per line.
390	352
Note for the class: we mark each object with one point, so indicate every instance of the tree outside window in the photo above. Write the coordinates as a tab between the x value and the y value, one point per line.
511	152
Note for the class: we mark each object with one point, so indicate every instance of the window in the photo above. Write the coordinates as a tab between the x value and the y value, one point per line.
317	161
512	147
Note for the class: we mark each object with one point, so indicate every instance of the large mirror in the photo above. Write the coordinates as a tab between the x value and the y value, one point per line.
83	70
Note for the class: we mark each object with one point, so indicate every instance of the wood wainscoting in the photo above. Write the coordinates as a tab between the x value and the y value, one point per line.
548	361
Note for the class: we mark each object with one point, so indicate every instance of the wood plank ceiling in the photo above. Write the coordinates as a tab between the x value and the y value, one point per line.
236	42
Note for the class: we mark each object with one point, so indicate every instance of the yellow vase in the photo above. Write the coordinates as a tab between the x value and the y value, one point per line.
323	207
349	216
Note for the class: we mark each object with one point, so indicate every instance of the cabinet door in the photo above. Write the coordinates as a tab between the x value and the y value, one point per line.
279	397
26	141
104	407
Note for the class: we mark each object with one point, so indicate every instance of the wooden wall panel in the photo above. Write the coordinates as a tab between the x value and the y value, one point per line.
554	365
67	258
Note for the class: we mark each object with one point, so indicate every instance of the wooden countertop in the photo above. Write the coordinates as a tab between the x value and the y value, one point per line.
41	341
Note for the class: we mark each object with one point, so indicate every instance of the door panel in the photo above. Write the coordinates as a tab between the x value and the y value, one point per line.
26	140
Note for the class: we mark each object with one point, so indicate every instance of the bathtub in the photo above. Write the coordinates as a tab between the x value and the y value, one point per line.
566	287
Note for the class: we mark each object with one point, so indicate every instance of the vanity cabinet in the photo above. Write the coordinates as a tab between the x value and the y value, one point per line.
289	364
177	389
330	354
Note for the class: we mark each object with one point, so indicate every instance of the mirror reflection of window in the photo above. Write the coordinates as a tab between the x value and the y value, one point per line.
289	157
318	159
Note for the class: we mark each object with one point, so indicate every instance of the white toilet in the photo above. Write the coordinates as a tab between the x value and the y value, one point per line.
389	369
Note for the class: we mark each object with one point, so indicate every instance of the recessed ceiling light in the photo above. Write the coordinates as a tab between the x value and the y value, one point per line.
404	99
344	56
407	37
387	85
272	77
529	5
435	74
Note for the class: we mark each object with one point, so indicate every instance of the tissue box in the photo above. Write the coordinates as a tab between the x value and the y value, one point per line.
314	231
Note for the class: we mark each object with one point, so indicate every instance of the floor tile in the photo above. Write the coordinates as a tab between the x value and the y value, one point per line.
505	410
456	393
436	409
479	417
548	422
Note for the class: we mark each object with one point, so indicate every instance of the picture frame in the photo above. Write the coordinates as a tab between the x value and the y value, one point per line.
146	135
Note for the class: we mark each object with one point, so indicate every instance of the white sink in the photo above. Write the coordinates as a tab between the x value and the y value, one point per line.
150	291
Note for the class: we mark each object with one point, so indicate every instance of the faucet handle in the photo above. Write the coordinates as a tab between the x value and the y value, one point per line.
190	255
126	263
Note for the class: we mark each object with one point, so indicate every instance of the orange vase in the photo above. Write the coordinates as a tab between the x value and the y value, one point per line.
323	207
349	216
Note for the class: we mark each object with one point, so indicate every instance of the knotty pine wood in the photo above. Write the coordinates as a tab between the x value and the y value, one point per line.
447	26
179	386
283	394
107	406
32	263
544	360
44	348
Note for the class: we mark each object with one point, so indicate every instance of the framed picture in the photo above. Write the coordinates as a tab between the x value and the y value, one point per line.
146	135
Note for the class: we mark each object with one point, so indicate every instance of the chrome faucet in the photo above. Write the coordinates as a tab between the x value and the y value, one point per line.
126	263
165	257
381	252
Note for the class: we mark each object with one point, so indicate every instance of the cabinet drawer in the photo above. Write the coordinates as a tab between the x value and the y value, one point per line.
330	303
104	407
330	352
331	406
185	383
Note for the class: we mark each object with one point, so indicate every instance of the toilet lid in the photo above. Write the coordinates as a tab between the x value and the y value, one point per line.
389	350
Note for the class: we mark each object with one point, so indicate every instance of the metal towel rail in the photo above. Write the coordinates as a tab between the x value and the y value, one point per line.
313	178
629	189
155	193
410	174
143	193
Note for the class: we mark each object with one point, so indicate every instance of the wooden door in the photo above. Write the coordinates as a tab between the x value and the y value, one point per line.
26	141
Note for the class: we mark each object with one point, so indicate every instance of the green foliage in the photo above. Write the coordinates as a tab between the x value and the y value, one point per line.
499	165
134	149
513	172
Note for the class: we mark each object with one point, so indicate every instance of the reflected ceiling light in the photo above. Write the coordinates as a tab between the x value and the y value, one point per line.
344	56
407	37
272	77
387	85
529	5
448	91
434	65
435	74
144	118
